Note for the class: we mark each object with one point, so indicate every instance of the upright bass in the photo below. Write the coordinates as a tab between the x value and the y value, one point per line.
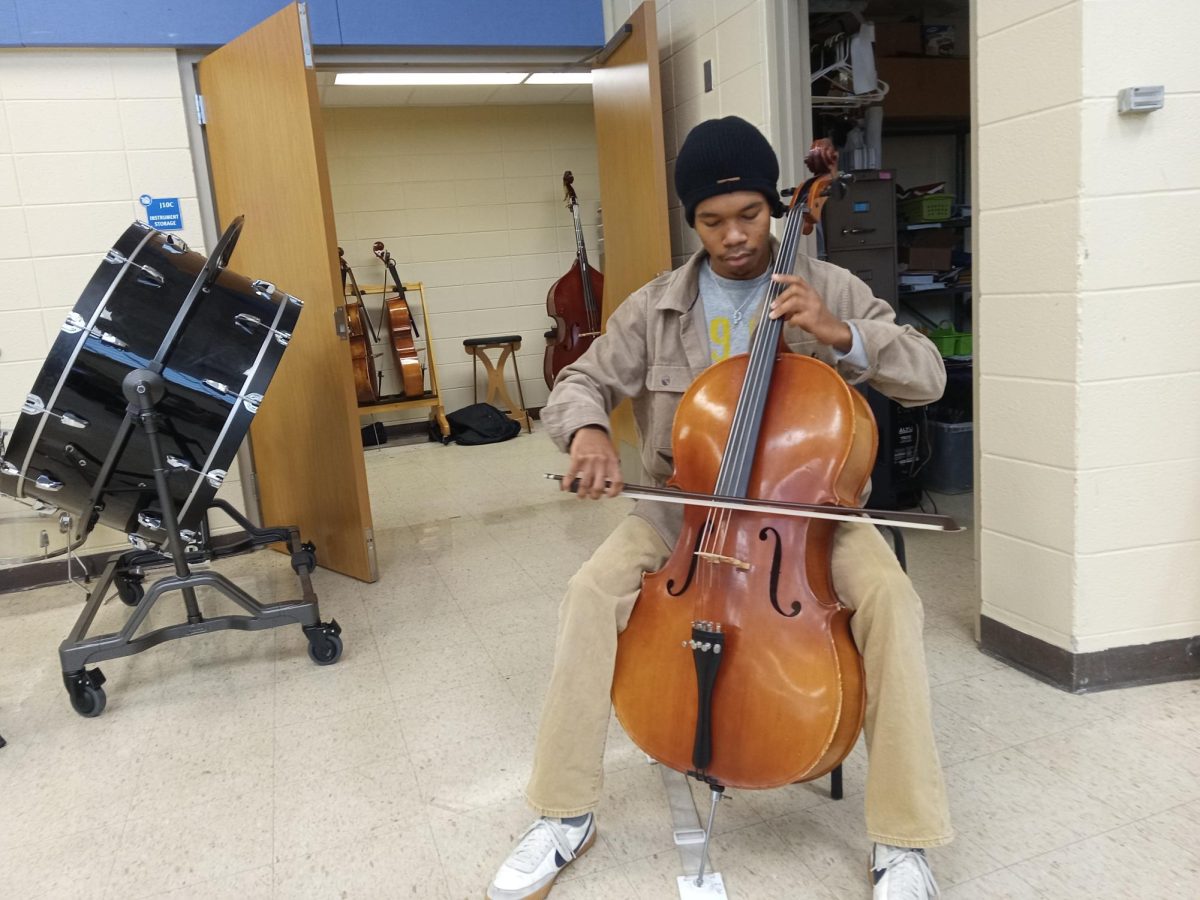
738	666
574	301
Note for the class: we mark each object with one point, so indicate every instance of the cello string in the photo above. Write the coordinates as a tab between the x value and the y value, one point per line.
756	383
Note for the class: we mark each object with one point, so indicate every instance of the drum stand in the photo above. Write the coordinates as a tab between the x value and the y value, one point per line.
144	388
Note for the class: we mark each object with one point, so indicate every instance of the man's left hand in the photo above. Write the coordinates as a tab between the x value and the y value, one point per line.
799	305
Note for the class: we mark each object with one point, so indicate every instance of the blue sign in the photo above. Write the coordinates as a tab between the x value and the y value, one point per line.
162	213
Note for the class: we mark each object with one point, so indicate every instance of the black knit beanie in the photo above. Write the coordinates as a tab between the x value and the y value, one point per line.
721	156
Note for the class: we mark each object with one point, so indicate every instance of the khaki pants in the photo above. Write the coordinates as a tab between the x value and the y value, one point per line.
905	797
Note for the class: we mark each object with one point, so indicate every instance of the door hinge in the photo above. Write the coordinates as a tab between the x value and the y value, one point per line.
339	323
201	110
369	534
305	35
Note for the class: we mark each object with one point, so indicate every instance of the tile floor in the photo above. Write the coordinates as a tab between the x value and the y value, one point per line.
229	766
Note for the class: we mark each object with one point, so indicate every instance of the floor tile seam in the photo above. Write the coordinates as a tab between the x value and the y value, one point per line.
439	747
789	850
326	850
1119	718
152	895
1084	787
1080	787
1076	842
1087	720
321	718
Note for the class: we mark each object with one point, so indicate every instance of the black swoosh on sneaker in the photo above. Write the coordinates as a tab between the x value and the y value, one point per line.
877	874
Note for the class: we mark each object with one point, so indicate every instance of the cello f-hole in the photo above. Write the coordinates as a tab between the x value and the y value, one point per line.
776	562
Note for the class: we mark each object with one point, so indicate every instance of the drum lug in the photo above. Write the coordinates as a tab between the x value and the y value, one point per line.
175	245
264	289
216	477
138	542
33	405
73	324
7	468
73	421
47	482
178	462
108	338
116	258
245	321
217	386
146	520
151	277
251	402
295	300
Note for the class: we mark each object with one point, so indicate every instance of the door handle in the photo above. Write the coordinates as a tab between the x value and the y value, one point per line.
857	230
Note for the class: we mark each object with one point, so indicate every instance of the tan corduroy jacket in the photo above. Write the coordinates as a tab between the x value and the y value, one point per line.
656	344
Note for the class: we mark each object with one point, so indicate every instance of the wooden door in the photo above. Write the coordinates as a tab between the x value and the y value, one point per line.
266	153
627	99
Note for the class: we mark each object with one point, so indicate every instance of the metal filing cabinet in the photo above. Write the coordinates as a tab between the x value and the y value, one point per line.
860	231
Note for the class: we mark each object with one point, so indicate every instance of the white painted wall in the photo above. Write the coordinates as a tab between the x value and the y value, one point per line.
83	133
1089	368
469	201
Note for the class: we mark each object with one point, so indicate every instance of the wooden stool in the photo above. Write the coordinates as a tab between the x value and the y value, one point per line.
509	344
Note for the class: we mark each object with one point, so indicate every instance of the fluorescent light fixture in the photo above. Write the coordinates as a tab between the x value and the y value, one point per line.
560	78
419	78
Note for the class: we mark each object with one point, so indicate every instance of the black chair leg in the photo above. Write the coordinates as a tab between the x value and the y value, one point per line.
835	783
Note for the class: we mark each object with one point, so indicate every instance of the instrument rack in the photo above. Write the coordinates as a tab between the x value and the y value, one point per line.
432	399
127	570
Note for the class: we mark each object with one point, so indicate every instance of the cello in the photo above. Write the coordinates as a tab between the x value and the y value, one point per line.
574	301
358	323
401	329
767	688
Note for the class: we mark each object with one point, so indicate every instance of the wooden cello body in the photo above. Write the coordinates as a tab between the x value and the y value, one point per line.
574	302
358	326
397	318
738	665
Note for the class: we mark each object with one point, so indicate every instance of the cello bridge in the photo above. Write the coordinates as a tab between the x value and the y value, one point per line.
718	559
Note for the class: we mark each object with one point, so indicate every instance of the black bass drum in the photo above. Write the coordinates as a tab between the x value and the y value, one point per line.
216	338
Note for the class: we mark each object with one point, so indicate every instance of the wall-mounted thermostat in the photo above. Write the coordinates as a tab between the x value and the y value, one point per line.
1140	99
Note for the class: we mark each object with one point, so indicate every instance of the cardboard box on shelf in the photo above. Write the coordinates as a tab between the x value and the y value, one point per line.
929	250
898	39
926	87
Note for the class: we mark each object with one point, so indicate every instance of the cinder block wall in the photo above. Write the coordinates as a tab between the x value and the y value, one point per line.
83	134
731	33
1089	372
469	201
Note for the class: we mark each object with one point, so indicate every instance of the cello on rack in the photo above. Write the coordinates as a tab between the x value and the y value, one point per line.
574	302
358	323
401	329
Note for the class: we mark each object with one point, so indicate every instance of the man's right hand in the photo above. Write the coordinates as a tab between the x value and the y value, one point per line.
595	463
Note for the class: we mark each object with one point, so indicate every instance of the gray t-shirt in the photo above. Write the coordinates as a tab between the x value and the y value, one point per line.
731	309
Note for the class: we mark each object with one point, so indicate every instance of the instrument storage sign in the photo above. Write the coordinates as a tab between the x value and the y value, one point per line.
162	213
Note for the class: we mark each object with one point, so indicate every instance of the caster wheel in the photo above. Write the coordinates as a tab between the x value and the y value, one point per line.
325	650
86	692
130	591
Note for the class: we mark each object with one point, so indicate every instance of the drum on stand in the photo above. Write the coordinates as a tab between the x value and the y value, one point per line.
74	447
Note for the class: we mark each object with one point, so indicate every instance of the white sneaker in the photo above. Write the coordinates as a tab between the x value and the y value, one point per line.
900	873
543	851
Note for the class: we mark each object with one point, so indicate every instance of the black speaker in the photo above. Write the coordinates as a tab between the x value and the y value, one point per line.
896	479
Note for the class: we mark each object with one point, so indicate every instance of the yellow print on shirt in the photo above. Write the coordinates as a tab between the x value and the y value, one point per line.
718	336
